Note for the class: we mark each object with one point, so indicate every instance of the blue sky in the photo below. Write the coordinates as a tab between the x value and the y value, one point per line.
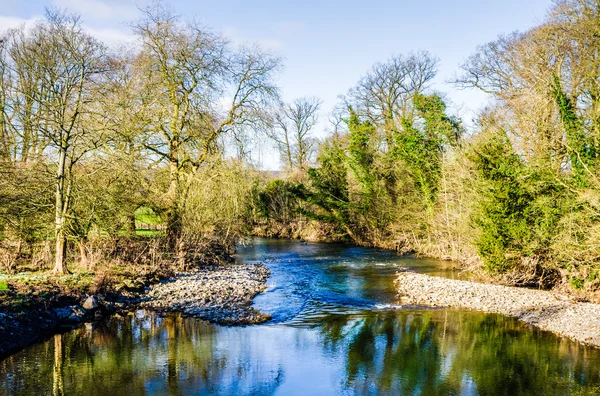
327	45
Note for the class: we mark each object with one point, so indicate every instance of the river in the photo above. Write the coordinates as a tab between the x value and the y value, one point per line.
336	330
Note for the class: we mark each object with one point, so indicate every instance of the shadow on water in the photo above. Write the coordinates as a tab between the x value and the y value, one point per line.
329	339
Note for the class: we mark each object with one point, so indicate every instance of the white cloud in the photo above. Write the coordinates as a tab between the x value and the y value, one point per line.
10	22
101	10
111	37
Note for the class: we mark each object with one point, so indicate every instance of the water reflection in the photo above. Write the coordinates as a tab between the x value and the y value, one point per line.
329	336
454	352
368	352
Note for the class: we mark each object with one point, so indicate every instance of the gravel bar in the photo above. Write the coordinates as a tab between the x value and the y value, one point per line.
546	310
219	294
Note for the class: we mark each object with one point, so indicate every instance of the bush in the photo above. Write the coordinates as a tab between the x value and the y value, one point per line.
518	209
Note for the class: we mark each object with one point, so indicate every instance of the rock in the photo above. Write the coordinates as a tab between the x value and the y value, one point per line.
91	303
62	313
71	314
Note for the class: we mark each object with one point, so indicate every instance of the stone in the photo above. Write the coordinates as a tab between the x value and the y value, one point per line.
91	303
208	293
70	314
561	315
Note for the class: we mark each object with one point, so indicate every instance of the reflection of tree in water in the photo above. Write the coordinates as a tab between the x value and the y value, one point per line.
431	352
441	352
57	369
143	355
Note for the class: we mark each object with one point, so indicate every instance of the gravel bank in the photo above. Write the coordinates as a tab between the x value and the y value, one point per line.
219	294
549	311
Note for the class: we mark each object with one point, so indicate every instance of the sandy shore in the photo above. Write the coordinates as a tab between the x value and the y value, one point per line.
547	310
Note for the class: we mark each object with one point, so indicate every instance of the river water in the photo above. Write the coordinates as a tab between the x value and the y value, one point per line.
336	330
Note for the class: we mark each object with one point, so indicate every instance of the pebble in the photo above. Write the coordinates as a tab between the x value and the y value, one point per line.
219	294
545	309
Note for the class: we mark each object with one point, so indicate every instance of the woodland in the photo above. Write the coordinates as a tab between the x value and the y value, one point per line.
116	159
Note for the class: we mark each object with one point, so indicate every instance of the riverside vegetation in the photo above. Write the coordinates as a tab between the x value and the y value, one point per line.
516	199
114	173
97	143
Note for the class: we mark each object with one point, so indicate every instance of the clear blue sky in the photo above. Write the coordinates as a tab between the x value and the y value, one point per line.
327	45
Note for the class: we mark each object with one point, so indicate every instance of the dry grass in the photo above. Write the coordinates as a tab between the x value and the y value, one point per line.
111	266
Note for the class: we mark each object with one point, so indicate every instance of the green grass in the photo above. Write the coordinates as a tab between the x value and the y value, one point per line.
147	215
149	233
3	286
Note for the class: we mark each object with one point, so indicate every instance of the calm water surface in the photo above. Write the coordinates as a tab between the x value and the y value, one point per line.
336	330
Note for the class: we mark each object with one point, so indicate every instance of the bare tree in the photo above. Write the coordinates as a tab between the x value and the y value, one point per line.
188	70
281	135
385	94
545	81
57	67
293	123
5	135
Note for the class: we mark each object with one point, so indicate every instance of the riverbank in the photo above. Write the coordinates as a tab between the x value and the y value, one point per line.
562	315
31	311
218	294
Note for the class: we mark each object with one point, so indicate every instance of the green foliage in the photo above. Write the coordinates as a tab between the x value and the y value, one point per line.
277	200
25	205
421	159
147	215
367	190
220	202
329	185
421	149
518	207
576	283
581	152
440	129
361	155
150	233
504	202
105	199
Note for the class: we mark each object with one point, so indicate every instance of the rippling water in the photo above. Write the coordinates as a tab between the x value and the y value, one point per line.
336	329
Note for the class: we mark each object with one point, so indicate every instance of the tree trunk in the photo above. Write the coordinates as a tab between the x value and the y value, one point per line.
174	225
84	262
60	265
288	152
130	224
